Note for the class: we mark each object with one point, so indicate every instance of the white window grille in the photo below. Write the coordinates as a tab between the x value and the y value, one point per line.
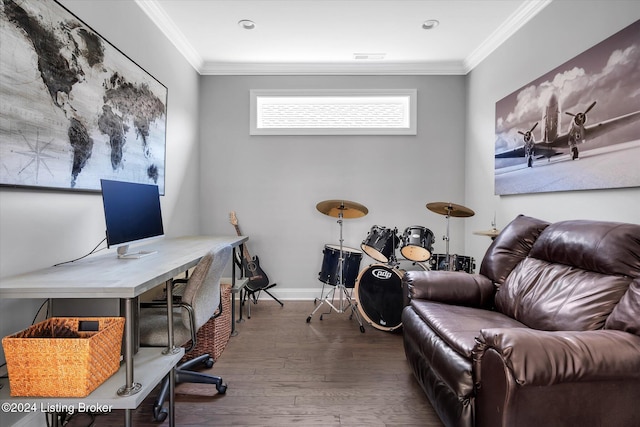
333	112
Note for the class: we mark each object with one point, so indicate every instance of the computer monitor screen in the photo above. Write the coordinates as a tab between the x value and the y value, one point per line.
132	212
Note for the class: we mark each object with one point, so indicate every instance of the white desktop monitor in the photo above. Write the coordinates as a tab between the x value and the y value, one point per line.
132	213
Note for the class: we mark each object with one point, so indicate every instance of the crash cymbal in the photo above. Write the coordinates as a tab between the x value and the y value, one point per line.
450	209
347	208
491	233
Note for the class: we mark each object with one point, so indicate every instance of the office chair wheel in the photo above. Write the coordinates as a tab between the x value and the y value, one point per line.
362	329
309	319
208	363
222	388
160	413
321	317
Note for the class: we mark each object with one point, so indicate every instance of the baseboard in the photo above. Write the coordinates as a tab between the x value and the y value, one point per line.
296	294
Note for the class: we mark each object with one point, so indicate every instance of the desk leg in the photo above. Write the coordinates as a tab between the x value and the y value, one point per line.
233	297
172	397
171	348
130	388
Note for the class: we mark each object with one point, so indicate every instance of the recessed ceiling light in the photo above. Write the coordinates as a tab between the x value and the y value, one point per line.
247	24
430	24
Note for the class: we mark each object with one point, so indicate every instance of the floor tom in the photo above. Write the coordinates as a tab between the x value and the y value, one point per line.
331	265
457	263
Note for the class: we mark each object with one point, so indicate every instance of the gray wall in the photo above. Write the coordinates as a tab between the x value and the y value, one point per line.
561	31
275	182
41	228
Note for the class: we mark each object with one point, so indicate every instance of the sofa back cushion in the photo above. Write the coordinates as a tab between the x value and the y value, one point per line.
603	247
510	247
574	276
626	315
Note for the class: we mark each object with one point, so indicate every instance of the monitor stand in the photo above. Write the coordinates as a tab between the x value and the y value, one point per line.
123	253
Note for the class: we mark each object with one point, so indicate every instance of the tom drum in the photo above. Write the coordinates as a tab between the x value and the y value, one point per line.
380	243
417	243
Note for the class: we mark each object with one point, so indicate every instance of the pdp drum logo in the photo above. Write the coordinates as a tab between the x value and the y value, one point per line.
379	273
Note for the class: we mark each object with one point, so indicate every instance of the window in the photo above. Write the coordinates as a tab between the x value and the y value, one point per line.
333	112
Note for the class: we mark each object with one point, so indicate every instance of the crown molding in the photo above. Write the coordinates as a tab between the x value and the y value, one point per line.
520	17
160	18
328	68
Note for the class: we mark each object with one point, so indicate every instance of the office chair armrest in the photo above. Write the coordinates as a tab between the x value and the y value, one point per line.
183	305
218	312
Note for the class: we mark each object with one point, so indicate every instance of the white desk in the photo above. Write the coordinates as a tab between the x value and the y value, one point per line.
106	276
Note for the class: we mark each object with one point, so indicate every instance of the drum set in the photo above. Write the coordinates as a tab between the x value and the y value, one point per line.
377	289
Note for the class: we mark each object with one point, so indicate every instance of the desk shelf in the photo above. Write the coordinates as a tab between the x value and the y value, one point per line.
150	367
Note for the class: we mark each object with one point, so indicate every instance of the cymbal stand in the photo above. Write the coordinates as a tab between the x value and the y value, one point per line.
346	303
447	264
393	259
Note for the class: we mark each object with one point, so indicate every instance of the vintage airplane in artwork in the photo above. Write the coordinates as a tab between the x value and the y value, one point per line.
553	144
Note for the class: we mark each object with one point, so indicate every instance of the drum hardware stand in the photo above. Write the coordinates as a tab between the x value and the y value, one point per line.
346	302
448	210
447	264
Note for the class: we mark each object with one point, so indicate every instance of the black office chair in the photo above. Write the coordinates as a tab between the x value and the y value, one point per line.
196	303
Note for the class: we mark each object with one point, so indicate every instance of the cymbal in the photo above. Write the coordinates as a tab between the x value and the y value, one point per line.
348	209
491	233
450	209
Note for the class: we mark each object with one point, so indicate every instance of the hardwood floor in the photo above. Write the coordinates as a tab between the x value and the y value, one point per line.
282	371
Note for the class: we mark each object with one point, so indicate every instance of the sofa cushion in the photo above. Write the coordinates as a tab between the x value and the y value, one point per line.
603	247
510	247
556	297
626	315
458	326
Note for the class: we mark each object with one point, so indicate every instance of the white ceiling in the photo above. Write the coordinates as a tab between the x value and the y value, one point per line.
322	36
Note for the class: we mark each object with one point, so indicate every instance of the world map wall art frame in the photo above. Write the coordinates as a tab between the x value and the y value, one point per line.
74	108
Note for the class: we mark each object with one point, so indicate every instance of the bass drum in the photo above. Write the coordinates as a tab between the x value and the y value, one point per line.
379	295
331	265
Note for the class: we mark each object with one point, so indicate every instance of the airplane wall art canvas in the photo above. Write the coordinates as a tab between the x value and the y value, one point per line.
576	127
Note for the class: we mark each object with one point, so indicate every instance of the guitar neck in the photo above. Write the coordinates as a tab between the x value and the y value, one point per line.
245	251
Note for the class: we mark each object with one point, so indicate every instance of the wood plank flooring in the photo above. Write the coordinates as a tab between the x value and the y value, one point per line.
282	371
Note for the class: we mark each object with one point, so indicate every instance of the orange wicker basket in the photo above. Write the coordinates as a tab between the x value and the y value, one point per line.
214	335
63	357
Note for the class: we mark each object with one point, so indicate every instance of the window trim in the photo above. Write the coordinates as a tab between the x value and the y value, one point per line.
410	93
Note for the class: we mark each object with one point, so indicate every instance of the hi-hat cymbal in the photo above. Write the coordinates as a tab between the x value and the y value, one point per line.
450	209
491	233
346	208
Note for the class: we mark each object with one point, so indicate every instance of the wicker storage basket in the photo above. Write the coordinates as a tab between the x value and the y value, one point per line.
213	336
63	357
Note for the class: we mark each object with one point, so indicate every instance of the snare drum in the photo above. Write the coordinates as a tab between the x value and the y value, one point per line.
380	243
331	265
458	262
417	243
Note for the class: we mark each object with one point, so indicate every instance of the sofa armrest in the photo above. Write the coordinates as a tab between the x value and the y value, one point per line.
543	358
452	287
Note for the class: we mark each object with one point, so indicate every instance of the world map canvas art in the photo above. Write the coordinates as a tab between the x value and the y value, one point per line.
74	108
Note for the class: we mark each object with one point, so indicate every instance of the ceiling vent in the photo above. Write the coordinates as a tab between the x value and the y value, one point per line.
369	56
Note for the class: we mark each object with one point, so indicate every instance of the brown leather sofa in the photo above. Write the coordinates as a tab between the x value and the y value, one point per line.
547	334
